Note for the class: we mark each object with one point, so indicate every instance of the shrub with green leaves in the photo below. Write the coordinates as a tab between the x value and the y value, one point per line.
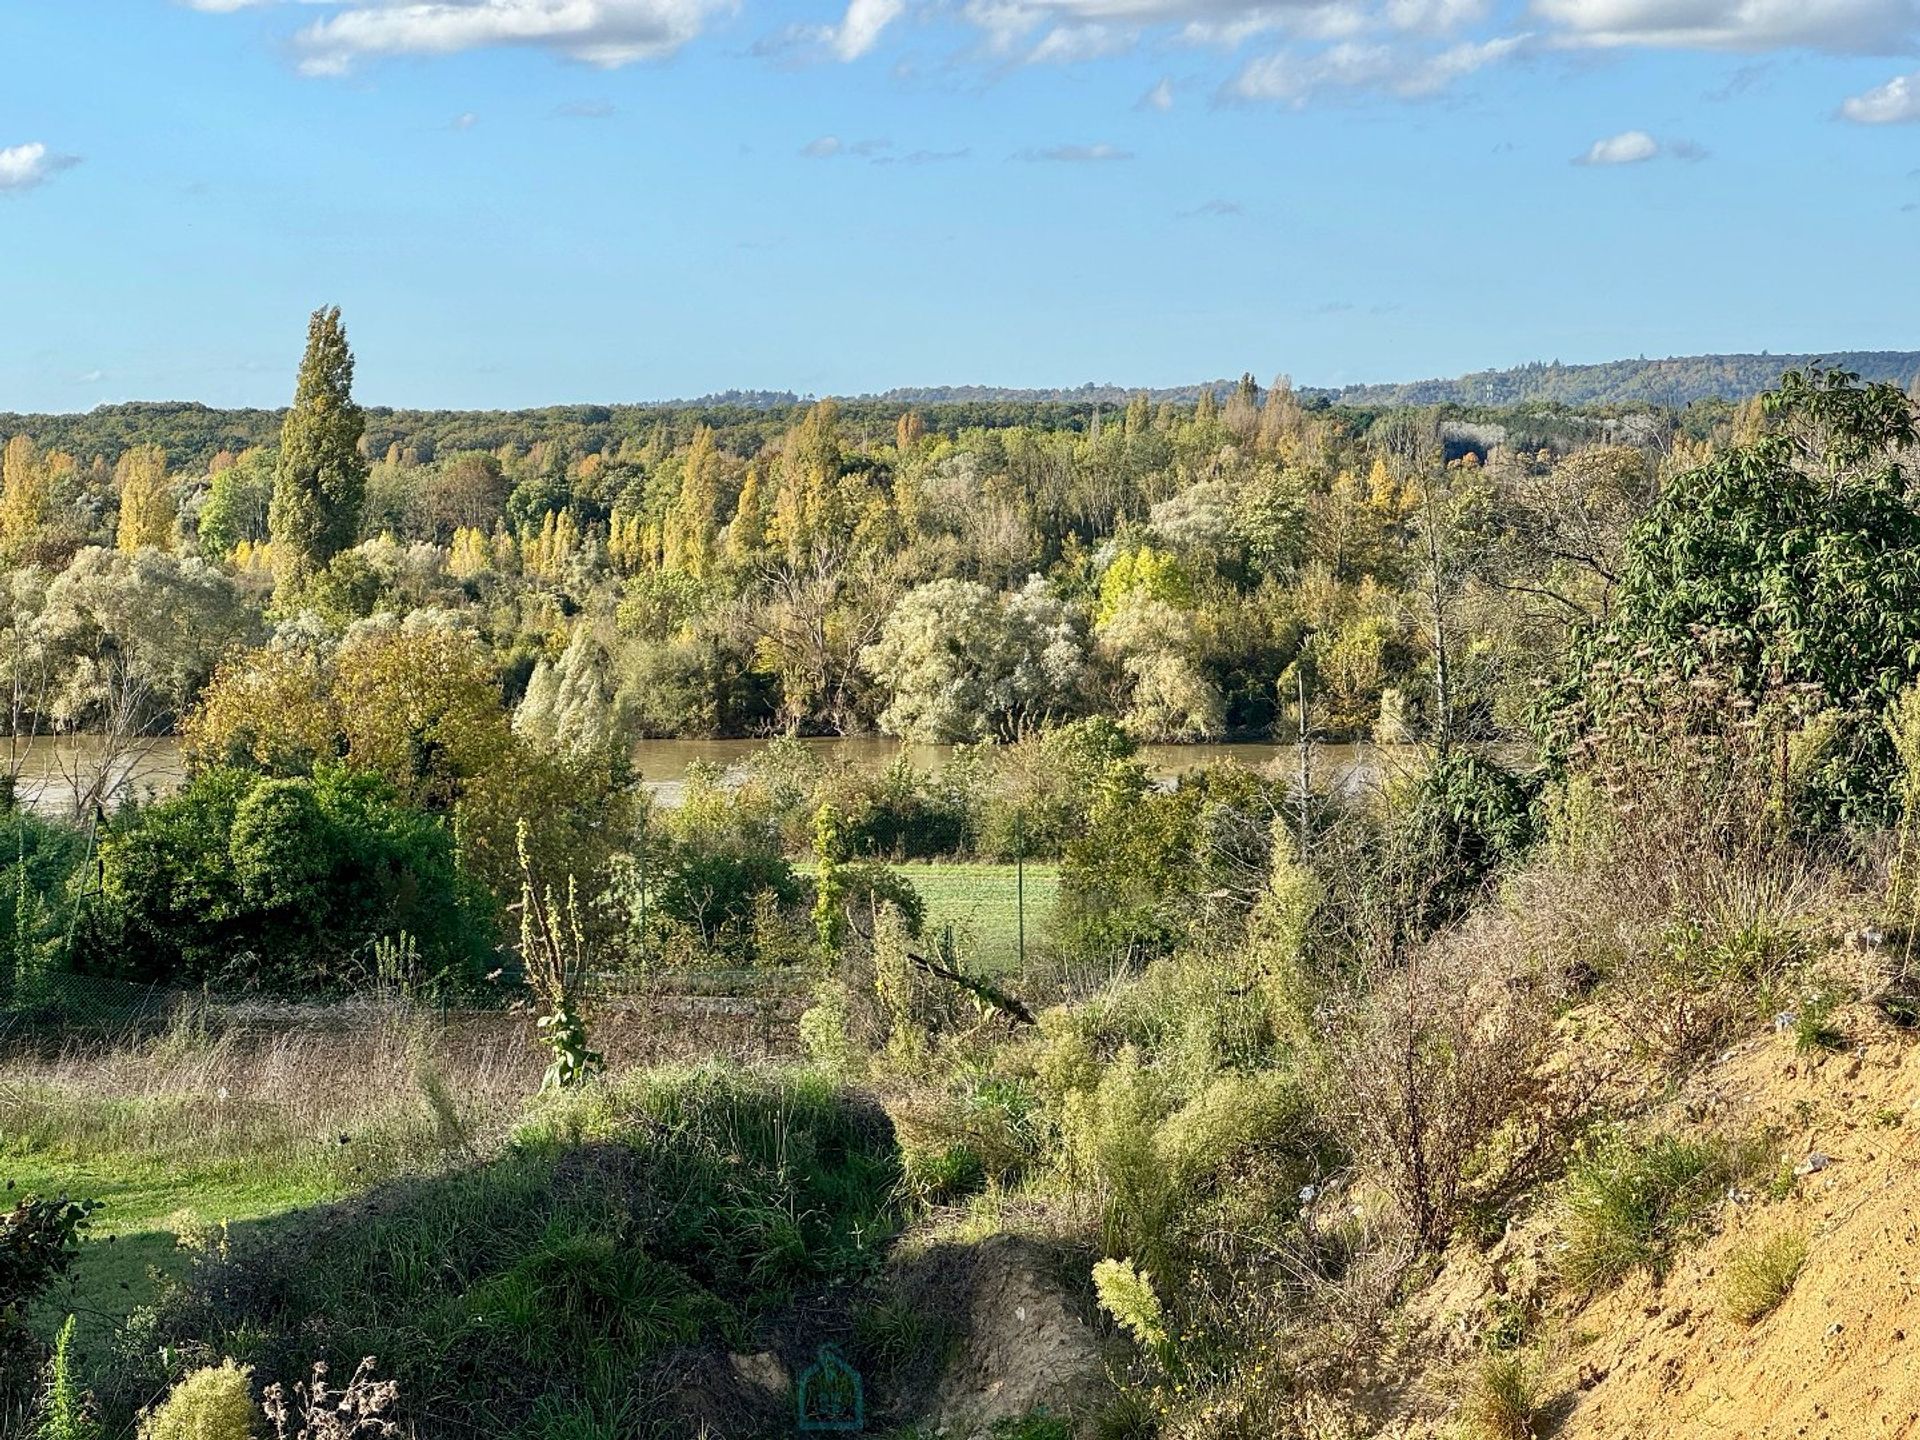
1798	552
1450	830
1151	864
37	860
284	885
39	1241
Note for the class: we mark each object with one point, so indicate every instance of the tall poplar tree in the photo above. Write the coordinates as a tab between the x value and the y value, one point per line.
322	477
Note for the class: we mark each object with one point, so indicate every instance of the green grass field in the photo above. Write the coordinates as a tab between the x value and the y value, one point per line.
981	903
132	1245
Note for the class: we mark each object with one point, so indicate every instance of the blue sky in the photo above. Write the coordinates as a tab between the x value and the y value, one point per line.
523	202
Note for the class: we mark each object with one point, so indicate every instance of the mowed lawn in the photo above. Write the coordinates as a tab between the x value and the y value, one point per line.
133	1242
982	904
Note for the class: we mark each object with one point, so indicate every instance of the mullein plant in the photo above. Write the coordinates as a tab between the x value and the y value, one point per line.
553	949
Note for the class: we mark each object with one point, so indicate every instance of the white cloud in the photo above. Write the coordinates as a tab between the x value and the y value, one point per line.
1160	97
1295	78
859	30
607	33
1845	26
1436	16
24	166
1629	147
465	122
1119	24
1897	100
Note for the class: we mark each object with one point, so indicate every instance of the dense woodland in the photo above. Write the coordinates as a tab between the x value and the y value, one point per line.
734	570
1284	1053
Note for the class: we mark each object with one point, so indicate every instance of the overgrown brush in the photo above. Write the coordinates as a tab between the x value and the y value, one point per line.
1433	1077
213	1091
621	1223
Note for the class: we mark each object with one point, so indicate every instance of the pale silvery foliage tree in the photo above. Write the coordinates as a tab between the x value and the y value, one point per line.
570	704
25	665
1200	520
130	638
960	662
1052	672
1167	695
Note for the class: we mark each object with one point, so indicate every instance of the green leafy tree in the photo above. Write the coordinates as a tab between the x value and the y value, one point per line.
238	500
321	481
1788	564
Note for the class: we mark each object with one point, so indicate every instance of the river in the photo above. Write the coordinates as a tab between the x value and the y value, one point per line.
47	767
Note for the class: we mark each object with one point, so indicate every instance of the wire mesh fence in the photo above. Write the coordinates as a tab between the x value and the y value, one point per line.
52	1001
729	1011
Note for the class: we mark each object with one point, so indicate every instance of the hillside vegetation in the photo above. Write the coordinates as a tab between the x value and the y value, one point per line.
1553	1079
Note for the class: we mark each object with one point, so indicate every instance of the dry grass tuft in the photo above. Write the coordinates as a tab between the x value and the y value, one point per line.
1501	1399
1760	1274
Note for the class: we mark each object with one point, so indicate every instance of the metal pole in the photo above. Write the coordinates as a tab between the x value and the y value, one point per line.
1020	881
1306	742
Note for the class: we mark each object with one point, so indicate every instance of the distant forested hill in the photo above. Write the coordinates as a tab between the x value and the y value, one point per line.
1677	381
192	433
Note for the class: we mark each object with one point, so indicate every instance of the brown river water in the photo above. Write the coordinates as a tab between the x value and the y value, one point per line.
47	767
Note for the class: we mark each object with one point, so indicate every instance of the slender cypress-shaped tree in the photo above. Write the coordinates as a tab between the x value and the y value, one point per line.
322	479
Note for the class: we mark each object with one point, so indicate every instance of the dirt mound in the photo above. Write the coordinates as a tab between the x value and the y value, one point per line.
1024	1337
1666	1359
1840	1356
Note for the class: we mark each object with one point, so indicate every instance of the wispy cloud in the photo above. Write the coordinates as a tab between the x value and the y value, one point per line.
464	122
828	147
587	110
1888	104
1404	49
1221	209
855	34
1076	154
923	157
1072	44
1744	78
1296	78
860	28
22	167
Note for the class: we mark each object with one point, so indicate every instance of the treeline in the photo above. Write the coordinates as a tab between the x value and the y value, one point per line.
194	435
1189	570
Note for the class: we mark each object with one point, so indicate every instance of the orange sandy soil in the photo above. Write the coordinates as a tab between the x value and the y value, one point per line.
1839	1357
